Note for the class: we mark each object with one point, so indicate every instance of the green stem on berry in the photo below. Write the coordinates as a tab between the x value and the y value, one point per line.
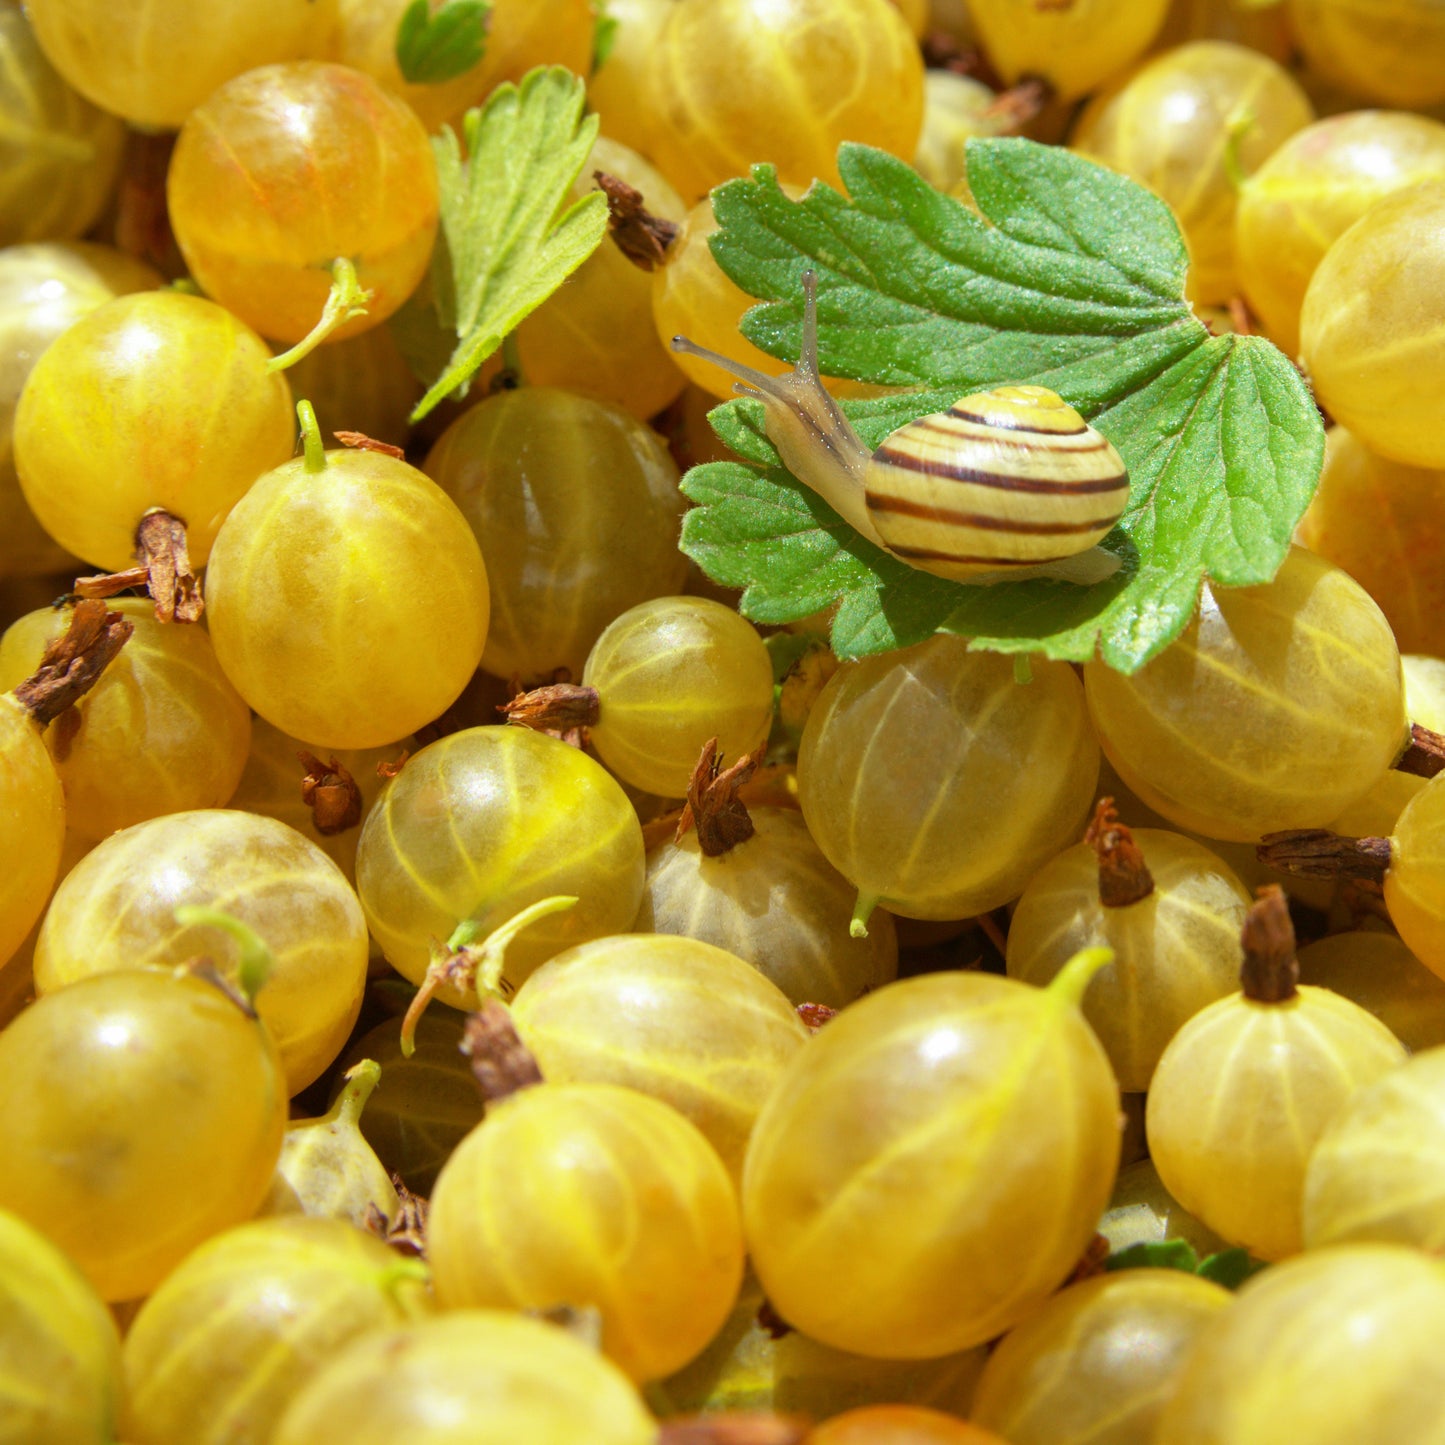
311	440
473	966
1023	668
256	961
346	300
1237	127
361	1081
862	912
1071	982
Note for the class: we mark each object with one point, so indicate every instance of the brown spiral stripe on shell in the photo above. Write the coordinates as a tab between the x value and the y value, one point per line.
984	487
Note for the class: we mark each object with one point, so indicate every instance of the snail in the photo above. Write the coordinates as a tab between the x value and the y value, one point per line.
1005	485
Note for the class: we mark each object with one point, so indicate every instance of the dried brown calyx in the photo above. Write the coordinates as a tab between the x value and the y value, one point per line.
164	570
771	1322
1318	853
331	793
739	1428
72	664
1424	754
405	1232
501	1063
713	806
1124	877
359	441
642	237
1022	102
561	710
1270	971
815	1015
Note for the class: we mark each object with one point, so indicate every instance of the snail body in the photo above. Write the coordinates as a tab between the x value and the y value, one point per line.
1005	485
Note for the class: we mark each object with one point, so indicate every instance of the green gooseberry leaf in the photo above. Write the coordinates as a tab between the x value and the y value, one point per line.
433	45
509	237
1068	276
1229	1267
604	37
1165	1254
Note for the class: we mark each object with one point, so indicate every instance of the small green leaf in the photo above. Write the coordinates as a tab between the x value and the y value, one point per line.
506	241
1071	277
1166	1254
1230	1267
604	37
436	45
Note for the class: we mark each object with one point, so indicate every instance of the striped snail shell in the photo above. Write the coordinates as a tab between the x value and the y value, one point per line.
1006	484
1008	478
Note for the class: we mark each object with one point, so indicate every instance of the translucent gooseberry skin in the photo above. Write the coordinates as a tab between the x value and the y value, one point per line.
594	335
217	1352
1380	520
60	155
470	1377
775	900
890	1202
151	61
60	1375
44	289
617	89
1098	1360
1391	52
141	1112
271	785
1240	1097
1169	126
595	1195
899	1425
1074	49
738	81
423	1106
671	673
646	1013
115	911
156	399
1317	184
288	167
1010	773
577	506
162	731
1338	1347
348	605
484	823
1175	951
956	110
1372	324
1374	1174
1277	707
749	1366
1236	20
32	824
1378	972
1415	883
